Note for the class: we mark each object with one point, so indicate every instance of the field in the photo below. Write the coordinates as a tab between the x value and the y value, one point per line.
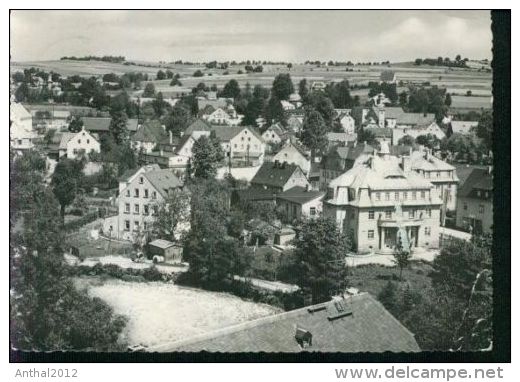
469	103
460	79
160	313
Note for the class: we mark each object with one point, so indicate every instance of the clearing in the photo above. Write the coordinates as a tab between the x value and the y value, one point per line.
160	313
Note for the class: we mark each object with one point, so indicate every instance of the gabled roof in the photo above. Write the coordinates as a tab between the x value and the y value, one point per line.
478	178
198	125
274	174
352	152
404	118
19	112
300	195
185	138
351	325
163	180
103	124
278	129
420	160
65	138
381	132
160	243
150	131
226	133
341	137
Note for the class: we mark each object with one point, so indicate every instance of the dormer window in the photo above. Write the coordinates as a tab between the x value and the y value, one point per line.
141	180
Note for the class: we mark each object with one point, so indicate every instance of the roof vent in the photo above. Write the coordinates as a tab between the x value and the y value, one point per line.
341	311
303	337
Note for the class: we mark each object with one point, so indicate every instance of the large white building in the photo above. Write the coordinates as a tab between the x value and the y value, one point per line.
381	199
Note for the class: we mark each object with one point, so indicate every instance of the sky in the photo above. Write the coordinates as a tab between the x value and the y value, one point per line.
294	36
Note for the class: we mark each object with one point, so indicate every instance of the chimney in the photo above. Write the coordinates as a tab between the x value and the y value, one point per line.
171	137
405	164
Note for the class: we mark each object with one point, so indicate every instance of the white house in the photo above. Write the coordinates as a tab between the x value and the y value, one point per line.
274	134
140	195
287	105
73	144
347	122
22	135
300	202
292	153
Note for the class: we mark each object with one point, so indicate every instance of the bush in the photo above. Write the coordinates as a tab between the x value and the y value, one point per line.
78	223
152	274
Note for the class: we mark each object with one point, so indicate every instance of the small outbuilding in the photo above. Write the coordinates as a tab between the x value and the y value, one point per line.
168	250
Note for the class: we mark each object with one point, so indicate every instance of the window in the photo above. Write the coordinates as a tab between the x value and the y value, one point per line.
136	192
313	211
414	195
423	194
127	208
155	209
154	195
481	208
378	196
478	193
429	212
411	214
427	231
136	226
127	225
128	193
438	174
146	193
465	206
88	141
141	180
136	208
79	141
405	195
396	196
235	145
146	209
371	214
388	214
370	233
387	196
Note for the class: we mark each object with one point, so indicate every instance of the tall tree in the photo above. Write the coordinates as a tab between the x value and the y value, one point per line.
67	181
303	88
178	119
283	86
207	155
320	253
485	128
118	127
314	131
149	90
231	89
172	216
76	124
274	111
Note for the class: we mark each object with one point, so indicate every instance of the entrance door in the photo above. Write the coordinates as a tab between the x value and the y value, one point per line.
414	236
390	235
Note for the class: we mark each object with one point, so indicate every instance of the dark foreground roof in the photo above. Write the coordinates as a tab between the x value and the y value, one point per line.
358	324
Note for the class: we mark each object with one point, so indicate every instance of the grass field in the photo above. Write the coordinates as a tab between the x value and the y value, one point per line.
463	102
456	78
159	313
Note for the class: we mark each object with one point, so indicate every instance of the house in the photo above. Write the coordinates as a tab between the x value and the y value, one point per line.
475	202
340	159
140	193
441	174
318	86
286	105
388	76
73	145
295	123
345	119
340	139
432	129
463	127
20	116
148	135
243	145
169	251
381	201
275	134
21	133
101	125
225	115
347	324
380	100
296	100
279	177
298	203
295	154
215	103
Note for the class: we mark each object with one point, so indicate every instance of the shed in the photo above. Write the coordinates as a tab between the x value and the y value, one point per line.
284	236
171	252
